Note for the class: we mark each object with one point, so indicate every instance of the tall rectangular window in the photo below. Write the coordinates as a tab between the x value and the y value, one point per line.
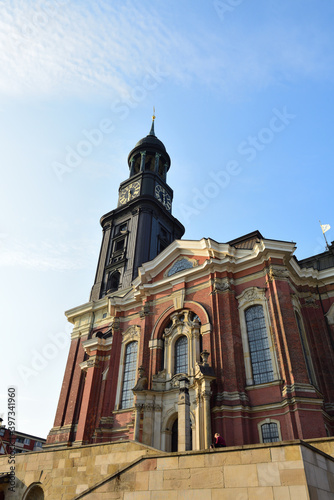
258	345
129	376
181	355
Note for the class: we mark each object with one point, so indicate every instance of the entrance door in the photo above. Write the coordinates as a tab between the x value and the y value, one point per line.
175	436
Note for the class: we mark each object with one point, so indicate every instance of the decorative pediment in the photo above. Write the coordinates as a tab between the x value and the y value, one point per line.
182	324
181	264
251	295
131	333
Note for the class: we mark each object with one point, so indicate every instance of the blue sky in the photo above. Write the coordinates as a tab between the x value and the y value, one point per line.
243	93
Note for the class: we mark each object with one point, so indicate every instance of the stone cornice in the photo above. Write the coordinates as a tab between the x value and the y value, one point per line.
87	308
97	344
220	257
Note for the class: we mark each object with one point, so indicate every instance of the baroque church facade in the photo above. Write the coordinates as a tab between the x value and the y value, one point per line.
182	339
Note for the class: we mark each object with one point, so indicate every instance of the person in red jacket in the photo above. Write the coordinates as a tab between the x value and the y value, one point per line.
218	442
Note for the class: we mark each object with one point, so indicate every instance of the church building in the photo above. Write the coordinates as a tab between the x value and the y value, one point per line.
183	339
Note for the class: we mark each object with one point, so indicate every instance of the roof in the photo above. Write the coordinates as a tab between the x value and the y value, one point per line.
247	241
320	261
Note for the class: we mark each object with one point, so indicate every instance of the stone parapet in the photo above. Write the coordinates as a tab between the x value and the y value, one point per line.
131	471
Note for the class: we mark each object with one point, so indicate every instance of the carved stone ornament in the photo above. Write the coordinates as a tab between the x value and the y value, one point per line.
220	285
310	302
141	384
160	376
175	381
178	298
92	362
115	322
277	273
181	264
250	295
131	333
89	363
205	356
148	407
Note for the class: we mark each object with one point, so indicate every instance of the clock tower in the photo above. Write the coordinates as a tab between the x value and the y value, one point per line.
142	225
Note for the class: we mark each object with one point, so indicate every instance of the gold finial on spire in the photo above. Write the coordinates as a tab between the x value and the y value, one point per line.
152	126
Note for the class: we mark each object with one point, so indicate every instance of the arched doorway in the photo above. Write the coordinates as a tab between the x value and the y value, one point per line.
175	435
34	492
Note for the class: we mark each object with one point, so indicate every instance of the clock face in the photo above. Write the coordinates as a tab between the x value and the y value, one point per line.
161	194
129	192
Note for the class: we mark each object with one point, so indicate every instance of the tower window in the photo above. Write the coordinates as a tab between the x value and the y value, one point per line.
163	239
122	228
161	169
136	165
113	281
258	345
181	355
269	433
129	377
149	163
119	245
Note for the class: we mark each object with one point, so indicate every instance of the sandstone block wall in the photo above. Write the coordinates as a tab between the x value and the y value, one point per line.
131	471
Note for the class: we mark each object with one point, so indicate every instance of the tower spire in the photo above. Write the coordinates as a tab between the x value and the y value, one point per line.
152	126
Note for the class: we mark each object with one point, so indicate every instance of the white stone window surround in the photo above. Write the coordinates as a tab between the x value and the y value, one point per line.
269	421
131	334
189	329
297	311
250	297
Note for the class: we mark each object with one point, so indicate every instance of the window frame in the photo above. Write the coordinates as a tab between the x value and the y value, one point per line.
258	335
130	335
253	296
177	356
133	370
269	421
178	329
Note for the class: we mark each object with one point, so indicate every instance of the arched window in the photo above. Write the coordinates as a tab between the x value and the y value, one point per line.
113	281
306	352
181	355
129	376
258	345
269	432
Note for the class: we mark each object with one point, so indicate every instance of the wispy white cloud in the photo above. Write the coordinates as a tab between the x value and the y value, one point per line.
101	47
47	255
